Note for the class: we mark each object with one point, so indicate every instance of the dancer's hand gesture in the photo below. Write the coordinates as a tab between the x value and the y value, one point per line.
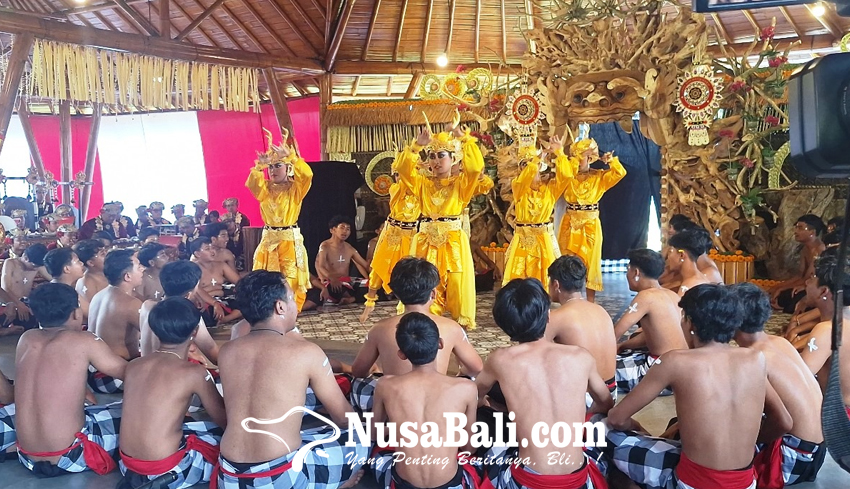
556	143
424	137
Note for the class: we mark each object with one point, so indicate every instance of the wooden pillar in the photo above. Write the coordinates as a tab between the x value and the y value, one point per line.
164	19
21	47
281	111
91	153
24	115
325	99
65	148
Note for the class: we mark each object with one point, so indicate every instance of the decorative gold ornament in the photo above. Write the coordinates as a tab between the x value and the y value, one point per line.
430	87
698	99
378	172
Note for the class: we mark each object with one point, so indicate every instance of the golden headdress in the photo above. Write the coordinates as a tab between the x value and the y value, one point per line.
200	203
111	208
18	213
229	201
67	228
579	147
64	210
443	141
156	206
178	206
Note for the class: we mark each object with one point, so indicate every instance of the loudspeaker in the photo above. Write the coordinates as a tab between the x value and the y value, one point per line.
819	117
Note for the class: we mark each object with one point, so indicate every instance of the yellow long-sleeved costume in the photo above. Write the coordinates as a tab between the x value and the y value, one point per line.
534	246
440	239
281	248
581	231
395	239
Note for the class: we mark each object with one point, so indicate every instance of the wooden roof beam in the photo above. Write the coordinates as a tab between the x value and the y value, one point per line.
244	28
355	86
109	5
427	31
137	17
333	48
307	19
200	28
389	86
153	46
370	31
400	29
451	26
273	33
752	21
328	21
20	11
477	30
529	18
165	19
319	8
721	29
785	13
197	20
414	85
350	68
809	42
826	21
293	27
504	33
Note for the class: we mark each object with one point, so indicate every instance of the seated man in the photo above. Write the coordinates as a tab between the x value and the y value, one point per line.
710	379
178	279
266	374
531	376
219	238
188	230
213	278
18	277
799	454
66	236
672	279
148	235
91	252
114	314
685	247
807	232
153	257
333	263
413	281
66	268
160	386
56	433
656	310
105	238
421	396
579	322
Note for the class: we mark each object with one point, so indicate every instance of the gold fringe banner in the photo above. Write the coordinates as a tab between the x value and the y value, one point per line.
407	112
71	72
372	139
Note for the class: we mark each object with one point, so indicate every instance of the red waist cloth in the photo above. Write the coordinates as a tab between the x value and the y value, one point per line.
269	473
566	481
768	466
157	467
97	459
696	475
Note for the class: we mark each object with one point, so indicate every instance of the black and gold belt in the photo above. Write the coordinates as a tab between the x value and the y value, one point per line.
280	228
582	207
402	224
534	225
440	219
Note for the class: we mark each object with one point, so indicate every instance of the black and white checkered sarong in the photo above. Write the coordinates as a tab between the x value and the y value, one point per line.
500	465
7	428
801	460
104	384
632	366
363	393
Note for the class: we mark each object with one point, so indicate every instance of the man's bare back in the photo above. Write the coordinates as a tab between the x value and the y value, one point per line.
17	279
114	317
91	284
817	354
588	325
659	318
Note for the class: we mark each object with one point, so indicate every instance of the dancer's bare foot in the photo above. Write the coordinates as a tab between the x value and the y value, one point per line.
11	330
366	312
355	478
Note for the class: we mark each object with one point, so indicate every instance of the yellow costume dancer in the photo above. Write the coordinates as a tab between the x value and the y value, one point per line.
534	247
396	237
281	248
440	239
581	231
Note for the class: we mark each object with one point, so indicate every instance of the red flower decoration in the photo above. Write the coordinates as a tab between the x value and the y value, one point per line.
777	61
726	133
747	162
463	108
739	86
771	120
767	33
460	69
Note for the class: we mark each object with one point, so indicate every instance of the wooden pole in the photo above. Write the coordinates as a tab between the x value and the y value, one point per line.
91	154
9	91
65	148
330	59
137	17
200	18
164	19
325	99
35	154
281	111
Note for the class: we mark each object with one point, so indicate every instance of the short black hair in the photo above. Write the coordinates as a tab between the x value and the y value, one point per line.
103	235
714	312
704	236
149	251
215	213
413	279
826	270
418	338
649	262
690	241
147	232
116	264
679	221
258	292
570	272
196	244
174	320
755	305
35	253
57	259
53	303
814	222
88	249
212	230
522	309
178	278
339	219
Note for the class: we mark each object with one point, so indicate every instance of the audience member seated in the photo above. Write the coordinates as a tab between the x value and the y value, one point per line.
579	322
148	235
333	263
108	221
66	236
682	254
413	280
422	396
219	238
66	268
104	238
532	380
799	454
92	253
189	232
56	432
807	232
721	393
152	257
160	387
266	373
18	277
656	310
215	274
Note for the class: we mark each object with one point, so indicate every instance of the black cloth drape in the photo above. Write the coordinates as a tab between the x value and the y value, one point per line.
331	194
624	209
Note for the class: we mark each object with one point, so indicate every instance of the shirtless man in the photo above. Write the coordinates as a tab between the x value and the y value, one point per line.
413	281
807	231
219	238
333	263
214	276
92	253
424	395
178	279
801	450
66	268
160	388
579	322
673	279
682	254
114	313
710	379
265	375
531	376
18	276
153	257
656	310
52	364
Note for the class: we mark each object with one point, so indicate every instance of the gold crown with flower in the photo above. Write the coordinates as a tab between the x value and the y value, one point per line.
443	141
579	147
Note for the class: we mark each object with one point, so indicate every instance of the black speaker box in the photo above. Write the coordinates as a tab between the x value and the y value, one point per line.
819	117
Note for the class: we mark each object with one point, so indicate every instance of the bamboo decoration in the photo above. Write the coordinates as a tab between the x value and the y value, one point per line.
71	72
